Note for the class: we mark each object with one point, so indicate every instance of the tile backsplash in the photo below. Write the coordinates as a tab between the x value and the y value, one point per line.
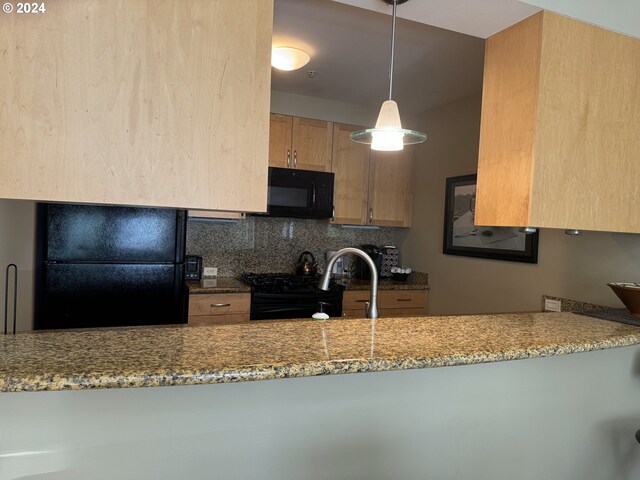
263	245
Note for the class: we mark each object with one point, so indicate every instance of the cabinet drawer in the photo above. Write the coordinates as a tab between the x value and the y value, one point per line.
219	304
219	319
355	300
403	299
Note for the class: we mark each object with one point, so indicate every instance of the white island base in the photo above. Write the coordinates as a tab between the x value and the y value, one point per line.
562	417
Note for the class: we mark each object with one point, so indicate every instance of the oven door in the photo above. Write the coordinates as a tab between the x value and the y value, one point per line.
299	193
272	306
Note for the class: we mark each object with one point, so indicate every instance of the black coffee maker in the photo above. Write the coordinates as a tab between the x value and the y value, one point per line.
362	271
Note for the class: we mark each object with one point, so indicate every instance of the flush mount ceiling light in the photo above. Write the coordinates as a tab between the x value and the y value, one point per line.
388	135
288	58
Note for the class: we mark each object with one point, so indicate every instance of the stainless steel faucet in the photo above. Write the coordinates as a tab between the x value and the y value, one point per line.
372	308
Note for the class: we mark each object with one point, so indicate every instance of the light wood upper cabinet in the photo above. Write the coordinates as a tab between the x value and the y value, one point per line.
350	164
559	143
390	188
302	143
159	103
280	130
371	188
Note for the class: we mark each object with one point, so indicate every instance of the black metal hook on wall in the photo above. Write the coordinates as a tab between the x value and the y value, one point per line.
6	296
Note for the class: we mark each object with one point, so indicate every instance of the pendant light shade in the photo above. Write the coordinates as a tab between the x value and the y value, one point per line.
388	135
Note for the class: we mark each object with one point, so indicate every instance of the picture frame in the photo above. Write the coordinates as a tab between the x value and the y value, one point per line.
462	237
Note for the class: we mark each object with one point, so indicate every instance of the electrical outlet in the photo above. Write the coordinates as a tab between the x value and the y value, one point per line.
552	305
210	271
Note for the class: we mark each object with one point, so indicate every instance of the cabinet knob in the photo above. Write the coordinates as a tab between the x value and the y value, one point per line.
295	159
288	158
370	215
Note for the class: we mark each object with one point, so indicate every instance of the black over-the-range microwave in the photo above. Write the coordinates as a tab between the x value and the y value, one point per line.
299	193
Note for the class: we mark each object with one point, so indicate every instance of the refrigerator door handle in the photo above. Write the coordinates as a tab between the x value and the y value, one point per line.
6	296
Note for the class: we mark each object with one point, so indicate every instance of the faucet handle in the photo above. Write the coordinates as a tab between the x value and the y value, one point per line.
367	309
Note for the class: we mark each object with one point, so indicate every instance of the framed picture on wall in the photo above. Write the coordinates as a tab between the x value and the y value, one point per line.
463	237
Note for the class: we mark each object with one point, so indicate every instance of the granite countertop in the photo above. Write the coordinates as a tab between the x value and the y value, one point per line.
416	281
183	355
217	285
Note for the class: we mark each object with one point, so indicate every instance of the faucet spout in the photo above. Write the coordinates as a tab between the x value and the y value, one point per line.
372	311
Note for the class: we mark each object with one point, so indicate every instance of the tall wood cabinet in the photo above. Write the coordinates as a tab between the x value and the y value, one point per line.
350	164
559	143
390	188
302	143
371	188
160	103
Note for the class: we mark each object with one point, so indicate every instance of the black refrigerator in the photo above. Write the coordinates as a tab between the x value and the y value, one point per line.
103	266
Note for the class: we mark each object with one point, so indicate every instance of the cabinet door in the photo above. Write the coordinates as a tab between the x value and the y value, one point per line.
219	304
559	143
159	103
312	140
350	164
410	300
391	188
280	154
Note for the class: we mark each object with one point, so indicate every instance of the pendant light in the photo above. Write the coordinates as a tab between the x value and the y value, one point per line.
388	135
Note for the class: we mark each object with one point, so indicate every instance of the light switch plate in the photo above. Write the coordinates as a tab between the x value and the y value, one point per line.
210	271
552	305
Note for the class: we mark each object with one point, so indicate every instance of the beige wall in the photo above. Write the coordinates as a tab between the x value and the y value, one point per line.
331	110
321	109
573	267
17	245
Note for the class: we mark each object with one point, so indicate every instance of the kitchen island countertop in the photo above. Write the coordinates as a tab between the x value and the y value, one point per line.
183	355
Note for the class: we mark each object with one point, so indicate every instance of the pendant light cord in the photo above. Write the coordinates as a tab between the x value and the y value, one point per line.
393	46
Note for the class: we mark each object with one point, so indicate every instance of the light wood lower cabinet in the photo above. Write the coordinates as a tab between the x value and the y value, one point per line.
220	308
391	303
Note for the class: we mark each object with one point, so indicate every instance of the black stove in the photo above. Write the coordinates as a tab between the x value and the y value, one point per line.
282	295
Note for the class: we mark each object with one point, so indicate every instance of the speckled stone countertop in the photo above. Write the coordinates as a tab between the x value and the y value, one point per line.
217	285
416	281
183	355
